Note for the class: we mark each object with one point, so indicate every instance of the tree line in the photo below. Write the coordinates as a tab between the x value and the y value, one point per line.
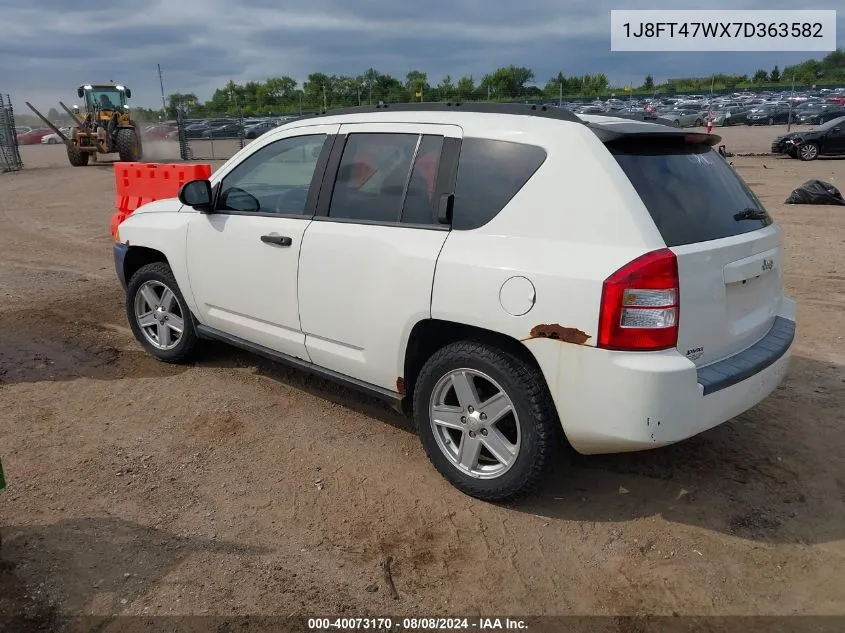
284	95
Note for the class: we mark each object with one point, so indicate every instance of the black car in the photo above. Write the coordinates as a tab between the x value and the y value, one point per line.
257	129
821	113
228	130
770	116
825	140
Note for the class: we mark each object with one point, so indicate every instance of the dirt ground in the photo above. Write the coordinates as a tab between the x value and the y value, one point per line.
233	486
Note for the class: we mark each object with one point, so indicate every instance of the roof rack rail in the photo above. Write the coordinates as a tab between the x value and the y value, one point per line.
525	109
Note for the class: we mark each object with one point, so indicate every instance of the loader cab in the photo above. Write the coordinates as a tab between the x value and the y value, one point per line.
105	99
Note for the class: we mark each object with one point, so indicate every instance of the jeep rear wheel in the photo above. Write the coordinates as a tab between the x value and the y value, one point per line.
486	420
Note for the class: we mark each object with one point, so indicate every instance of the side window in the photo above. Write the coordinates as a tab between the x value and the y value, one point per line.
372	175
490	173
275	179
420	206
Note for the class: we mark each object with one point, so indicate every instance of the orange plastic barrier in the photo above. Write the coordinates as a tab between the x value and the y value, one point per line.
139	183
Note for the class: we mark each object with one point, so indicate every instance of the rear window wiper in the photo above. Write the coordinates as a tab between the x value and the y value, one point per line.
750	214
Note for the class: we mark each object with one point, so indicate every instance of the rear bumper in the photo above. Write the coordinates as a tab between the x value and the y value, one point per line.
611	402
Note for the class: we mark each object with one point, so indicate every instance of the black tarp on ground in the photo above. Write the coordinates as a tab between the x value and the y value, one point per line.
815	192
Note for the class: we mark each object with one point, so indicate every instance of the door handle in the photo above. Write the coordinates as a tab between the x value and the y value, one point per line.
278	240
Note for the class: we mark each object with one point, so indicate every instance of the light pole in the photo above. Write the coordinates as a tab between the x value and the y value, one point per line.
791	103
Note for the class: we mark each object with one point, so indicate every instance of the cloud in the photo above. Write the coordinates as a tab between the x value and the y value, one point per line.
201	44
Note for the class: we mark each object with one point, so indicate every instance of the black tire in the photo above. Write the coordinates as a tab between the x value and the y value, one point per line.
676	123
77	157
128	145
808	151
771	121
189	342
699	123
538	421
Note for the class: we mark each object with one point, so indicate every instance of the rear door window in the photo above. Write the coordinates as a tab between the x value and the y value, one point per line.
692	194
490	173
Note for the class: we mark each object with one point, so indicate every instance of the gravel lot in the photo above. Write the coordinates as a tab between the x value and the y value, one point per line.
233	486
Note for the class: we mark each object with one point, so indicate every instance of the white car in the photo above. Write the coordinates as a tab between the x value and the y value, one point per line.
54	139
508	275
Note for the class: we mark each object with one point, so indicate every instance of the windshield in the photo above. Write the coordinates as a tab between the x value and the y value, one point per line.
105	98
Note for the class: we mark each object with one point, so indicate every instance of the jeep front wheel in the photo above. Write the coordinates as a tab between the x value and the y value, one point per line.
158	314
486	420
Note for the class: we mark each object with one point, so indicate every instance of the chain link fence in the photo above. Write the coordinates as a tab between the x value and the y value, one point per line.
210	139
10	157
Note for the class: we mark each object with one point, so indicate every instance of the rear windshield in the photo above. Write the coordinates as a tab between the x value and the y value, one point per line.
691	192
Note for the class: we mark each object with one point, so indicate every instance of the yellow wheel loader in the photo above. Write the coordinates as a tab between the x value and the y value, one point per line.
105	127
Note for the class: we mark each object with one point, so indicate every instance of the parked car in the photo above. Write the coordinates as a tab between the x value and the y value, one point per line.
770	115
683	118
22	129
416	253
826	140
232	129
158	132
257	129
734	115
829	115
33	137
53	138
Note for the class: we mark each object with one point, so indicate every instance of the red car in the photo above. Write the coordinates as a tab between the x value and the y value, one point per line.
33	137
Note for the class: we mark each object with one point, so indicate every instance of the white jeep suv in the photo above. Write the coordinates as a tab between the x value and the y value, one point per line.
509	275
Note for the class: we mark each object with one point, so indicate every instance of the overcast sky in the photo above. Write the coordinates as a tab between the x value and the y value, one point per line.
50	46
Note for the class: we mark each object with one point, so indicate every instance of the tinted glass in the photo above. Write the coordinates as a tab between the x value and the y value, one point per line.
420	205
690	191
371	179
490	173
275	179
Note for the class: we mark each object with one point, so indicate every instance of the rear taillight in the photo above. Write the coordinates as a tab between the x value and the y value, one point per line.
640	304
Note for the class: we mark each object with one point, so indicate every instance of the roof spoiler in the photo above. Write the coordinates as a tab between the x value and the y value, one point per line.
614	131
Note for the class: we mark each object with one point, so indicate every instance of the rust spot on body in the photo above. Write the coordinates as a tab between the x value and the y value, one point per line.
400	386
559	333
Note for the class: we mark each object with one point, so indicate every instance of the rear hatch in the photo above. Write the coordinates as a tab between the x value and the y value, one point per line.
728	249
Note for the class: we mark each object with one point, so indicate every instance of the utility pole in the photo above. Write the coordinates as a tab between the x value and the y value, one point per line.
324	97
161	83
560	95
791	103
300	102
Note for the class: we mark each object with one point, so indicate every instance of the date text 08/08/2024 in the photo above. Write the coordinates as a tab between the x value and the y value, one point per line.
416	624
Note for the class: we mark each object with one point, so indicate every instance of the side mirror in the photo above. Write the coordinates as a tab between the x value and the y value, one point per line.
80	92
128	93
196	194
